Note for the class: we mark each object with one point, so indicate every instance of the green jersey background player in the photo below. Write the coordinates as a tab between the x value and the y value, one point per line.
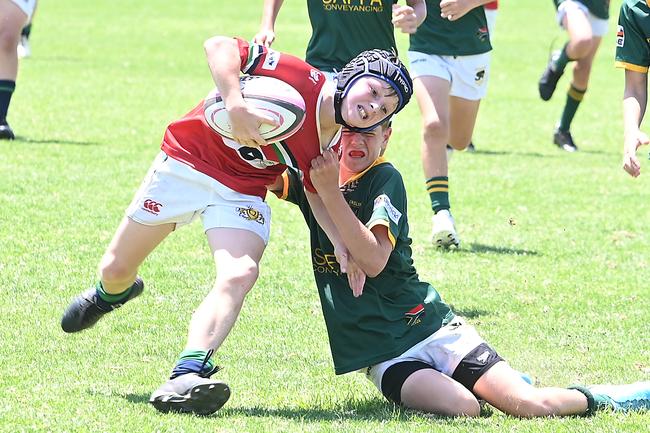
450	64
633	54
585	22
14	15
398	330
341	30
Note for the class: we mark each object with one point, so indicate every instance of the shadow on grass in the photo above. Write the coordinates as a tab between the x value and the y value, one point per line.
491	249
469	313
55	141
366	410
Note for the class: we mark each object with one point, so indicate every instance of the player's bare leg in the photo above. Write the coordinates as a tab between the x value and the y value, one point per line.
431	391
12	20
577	90
462	118
432	94
237	254
118	269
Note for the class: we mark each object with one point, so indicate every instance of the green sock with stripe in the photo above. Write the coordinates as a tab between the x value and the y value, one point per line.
438	189
573	99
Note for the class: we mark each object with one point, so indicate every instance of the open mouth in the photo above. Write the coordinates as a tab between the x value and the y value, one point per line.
362	112
356	153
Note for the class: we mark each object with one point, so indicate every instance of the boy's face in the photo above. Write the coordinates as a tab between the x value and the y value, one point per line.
360	149
368	102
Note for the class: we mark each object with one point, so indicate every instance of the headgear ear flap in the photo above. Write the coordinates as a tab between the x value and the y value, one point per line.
376	63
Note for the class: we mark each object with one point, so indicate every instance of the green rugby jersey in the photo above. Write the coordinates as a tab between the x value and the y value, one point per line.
396	309
633	36
341	29
464	37
599	8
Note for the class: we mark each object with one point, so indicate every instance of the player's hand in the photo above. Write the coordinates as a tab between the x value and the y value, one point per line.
324	173
455	9
245	124
631	163
404	18
264	37
356	278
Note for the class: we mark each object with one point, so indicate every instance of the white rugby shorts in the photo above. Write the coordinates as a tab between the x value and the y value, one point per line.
443	350
598	25
173	192
26	6
468	75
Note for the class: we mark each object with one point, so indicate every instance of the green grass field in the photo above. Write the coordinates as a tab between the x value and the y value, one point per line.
553	268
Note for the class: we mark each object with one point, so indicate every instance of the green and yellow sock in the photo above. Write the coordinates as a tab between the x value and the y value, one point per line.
573	99
438	189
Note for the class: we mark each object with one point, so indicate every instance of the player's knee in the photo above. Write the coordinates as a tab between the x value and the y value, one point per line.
460	143
581	46
239	279
435	129
8	41
114	270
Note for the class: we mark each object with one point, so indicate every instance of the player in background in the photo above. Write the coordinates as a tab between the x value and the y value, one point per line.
23	49
491	12
14	14
585	22
199	173
450	64
398	330
633	54
339	34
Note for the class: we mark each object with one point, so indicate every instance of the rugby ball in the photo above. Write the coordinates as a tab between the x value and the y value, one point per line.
275	98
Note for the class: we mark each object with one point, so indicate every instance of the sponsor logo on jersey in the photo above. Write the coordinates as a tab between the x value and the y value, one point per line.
354	5
251	214
479	76
151	206
271	60
414	315
482	34
384	202
620	36
325	263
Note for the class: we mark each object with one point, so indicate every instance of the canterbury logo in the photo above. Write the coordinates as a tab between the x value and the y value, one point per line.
251	214
151	206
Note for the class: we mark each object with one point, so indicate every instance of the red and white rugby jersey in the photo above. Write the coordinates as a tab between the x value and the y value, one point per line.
249	169
492	5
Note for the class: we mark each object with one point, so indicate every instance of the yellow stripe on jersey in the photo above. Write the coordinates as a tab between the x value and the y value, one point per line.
631	67
384	223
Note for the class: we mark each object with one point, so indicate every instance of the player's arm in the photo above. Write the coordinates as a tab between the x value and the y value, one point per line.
266	34
634	105
455	9
285	188
225	61
408	17
370	248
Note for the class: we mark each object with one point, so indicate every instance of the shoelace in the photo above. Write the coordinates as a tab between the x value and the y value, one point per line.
209	373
